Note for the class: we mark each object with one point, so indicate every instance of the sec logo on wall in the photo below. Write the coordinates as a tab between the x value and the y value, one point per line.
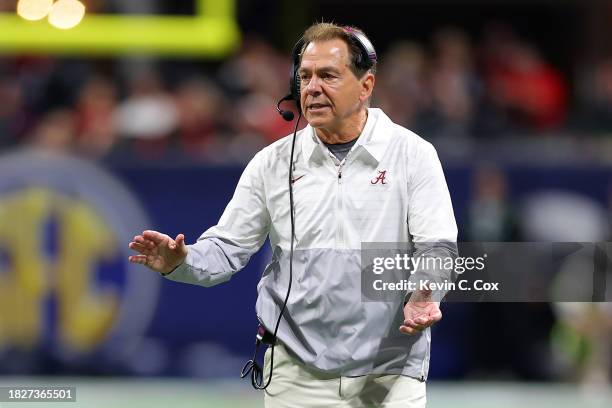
66	287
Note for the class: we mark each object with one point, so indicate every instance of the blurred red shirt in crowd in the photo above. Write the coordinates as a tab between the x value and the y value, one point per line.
526	86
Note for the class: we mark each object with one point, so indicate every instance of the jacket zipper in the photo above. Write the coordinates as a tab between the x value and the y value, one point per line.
340	217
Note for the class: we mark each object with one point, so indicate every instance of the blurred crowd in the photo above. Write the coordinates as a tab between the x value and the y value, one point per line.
452	87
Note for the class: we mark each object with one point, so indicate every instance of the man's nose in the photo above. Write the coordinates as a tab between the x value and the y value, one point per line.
313	87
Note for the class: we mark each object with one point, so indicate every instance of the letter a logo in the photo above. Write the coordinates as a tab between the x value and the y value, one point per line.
380	178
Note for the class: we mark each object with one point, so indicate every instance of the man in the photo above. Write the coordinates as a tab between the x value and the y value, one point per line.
357	178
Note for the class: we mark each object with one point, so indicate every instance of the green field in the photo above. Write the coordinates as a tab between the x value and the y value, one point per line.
173	393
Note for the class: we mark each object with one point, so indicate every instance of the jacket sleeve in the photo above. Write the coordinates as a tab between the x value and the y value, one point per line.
226	248
431	221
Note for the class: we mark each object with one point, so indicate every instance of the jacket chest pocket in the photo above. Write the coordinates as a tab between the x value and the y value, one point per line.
378	212
314	204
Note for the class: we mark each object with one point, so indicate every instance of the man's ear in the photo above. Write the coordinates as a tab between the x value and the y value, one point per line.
367	86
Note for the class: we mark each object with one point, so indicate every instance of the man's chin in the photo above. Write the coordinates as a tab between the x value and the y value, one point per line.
316	124
317	121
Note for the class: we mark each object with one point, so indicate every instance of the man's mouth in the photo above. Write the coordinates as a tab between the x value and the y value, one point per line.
317	106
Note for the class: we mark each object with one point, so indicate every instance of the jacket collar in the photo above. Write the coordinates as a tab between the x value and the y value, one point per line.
373	140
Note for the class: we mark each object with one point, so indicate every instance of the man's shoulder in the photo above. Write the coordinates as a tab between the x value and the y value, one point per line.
410	140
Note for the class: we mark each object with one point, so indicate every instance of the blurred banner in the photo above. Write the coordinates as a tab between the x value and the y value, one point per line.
71	303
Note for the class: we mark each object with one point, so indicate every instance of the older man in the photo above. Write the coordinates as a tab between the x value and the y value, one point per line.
357	178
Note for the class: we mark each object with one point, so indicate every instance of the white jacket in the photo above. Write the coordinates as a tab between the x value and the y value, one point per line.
389	188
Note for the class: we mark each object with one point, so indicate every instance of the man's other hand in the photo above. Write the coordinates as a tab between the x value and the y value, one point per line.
158	251
420	312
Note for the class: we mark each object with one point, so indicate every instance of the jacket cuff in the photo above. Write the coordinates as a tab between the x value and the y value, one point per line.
177	269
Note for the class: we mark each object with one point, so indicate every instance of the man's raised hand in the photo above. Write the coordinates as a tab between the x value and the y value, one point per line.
158	251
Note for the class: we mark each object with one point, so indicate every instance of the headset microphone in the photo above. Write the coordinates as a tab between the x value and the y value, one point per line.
287	115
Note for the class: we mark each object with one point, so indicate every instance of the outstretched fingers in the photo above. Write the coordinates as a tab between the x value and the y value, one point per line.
408	330
139	248
138	259
156	237
147	243
412	326
157	251
420	323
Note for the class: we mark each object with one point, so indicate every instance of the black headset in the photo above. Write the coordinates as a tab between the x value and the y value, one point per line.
365	60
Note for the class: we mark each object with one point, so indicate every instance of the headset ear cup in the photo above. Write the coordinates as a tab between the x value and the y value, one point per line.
295	90
294	80
368	54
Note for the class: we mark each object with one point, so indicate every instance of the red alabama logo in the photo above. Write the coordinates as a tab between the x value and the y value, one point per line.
380	178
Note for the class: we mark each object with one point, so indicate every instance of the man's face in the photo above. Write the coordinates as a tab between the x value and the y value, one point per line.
330	93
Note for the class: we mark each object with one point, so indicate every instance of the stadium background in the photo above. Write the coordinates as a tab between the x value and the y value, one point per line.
99	140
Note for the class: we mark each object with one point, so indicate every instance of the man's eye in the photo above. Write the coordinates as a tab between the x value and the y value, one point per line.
304	77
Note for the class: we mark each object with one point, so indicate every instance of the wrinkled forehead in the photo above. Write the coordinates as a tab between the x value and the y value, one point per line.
331	52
